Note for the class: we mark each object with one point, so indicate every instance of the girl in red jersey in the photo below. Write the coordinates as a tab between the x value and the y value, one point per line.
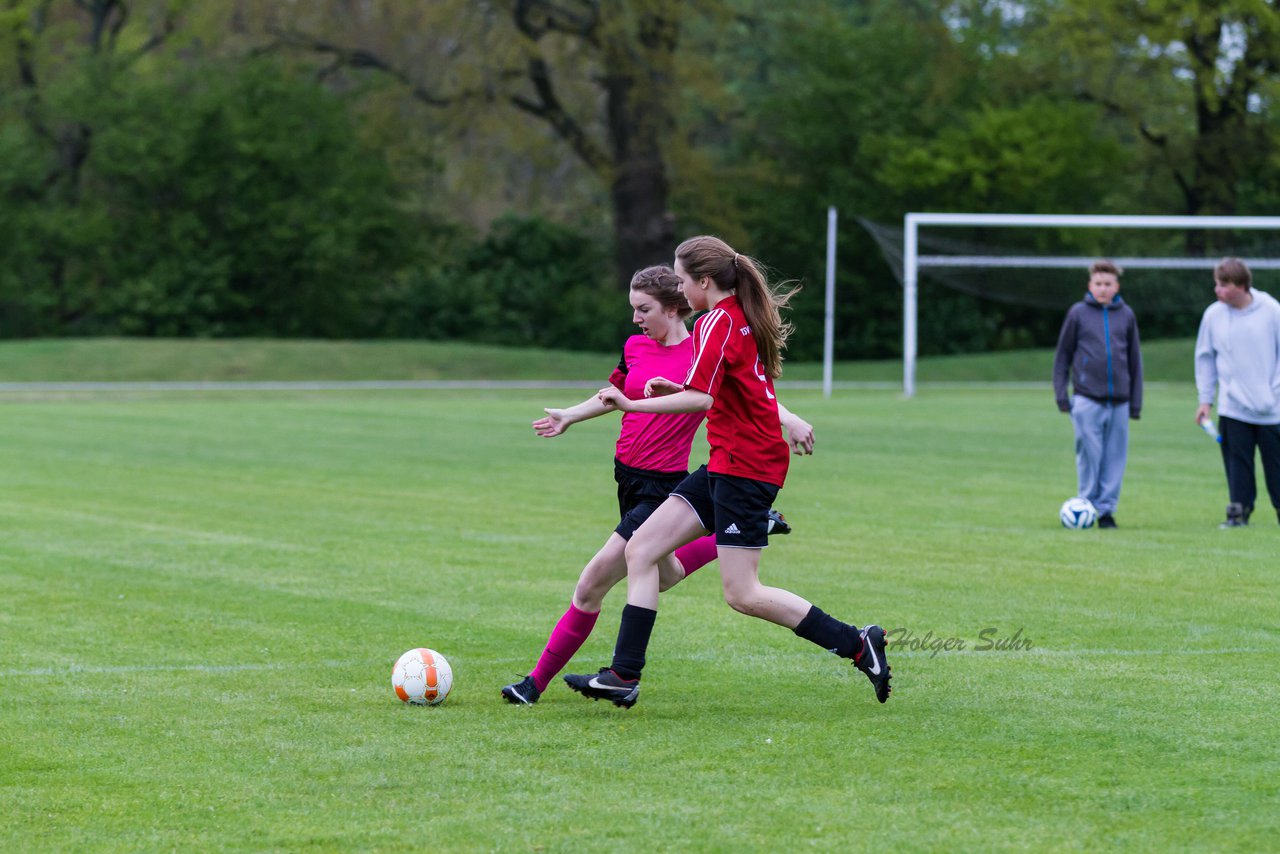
737	355
652	458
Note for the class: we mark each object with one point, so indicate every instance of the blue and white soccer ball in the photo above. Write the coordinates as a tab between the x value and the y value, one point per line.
1078	513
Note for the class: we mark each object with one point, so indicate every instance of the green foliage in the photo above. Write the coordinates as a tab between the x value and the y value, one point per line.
1193	83
1038	156
231	200
934	114
529	282
28	230
196	189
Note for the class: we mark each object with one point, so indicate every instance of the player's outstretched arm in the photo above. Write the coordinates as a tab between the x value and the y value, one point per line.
799	431
687	400
556	421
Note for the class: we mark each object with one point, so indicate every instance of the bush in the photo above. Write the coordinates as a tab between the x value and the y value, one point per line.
234	201
529	282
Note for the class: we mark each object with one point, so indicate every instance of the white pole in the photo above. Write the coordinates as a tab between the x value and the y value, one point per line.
1096	220
911	261
829	323
909	277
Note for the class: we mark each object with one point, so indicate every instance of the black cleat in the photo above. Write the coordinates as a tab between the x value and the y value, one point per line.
1237	516
1106	520
777	524
606	685
523	692
871	660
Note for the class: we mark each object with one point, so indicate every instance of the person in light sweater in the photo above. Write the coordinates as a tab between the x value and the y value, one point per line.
1238	353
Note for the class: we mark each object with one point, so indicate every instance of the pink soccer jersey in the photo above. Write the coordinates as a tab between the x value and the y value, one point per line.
742	425
648	441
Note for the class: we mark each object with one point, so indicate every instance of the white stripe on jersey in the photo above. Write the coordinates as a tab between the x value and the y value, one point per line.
713	317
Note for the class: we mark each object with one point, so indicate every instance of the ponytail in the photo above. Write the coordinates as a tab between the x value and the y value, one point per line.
731	271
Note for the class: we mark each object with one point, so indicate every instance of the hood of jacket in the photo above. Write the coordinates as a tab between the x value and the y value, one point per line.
1090	300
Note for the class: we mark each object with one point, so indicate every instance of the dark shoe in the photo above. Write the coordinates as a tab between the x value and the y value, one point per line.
871	661
523	692
1237	516
1106	520
777	524
606	685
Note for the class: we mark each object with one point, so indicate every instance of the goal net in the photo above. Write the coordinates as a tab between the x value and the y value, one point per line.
1041	262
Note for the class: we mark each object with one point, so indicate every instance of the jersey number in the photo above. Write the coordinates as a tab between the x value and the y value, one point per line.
759	372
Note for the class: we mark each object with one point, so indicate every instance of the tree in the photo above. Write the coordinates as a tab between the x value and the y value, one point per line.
600	74
879	107
99	38
1195	81
216	199
243	202
62	52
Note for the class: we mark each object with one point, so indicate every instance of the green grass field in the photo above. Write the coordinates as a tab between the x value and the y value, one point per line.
203	594
118	359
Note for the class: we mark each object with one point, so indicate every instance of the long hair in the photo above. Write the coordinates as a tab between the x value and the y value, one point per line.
662	283
712	257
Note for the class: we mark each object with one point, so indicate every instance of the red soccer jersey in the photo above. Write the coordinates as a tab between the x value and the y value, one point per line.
742	425
649	441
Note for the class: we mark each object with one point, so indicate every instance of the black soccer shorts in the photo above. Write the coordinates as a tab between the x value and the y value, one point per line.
736	507
640	492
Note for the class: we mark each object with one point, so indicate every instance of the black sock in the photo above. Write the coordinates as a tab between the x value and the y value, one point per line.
633	640
829	633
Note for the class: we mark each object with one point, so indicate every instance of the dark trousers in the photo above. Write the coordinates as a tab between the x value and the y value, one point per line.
1239	438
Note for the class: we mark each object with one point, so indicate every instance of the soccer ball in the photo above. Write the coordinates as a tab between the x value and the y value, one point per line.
1077	513
422	677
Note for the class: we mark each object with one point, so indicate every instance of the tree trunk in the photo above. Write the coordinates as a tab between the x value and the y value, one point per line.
643	228
1220	148
639	93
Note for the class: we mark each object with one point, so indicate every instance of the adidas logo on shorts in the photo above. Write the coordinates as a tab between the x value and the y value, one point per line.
732	529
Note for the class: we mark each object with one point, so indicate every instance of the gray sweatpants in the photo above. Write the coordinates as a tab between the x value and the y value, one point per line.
1102	449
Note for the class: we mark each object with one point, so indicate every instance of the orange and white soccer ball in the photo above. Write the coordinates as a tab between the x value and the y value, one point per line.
422	677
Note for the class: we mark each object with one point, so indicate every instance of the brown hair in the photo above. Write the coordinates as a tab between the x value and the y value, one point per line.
1233	271
1102	265
662	283
713	258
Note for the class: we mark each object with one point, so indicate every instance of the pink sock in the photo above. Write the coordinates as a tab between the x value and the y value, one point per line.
694	556
566	639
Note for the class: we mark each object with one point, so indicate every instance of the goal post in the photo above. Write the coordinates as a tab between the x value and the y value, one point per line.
913	260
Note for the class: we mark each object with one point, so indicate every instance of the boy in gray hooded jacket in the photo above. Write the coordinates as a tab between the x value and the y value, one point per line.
1099	350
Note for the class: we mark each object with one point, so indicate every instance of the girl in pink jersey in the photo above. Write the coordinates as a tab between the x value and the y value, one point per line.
738	347
652	458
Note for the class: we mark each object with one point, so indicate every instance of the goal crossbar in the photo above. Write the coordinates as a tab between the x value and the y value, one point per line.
1047	262
912	261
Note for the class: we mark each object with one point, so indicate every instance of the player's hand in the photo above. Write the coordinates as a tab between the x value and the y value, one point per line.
800	436
613	398
1202	412
661	386
553	424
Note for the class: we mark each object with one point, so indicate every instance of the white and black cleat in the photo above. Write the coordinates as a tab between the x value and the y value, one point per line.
871	660
606	685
